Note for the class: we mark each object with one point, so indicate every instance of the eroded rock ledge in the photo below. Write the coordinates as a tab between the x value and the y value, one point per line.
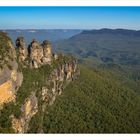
31	79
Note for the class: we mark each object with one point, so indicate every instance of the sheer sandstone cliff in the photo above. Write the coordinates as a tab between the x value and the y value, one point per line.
10	76
30	79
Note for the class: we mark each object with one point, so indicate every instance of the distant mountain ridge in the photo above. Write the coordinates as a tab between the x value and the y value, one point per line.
120	46
42	34
113	31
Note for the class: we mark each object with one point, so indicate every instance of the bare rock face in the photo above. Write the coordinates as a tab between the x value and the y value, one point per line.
22	49
70	69
10	76
40	54
47	52
29	109
7	94
36	54
59	78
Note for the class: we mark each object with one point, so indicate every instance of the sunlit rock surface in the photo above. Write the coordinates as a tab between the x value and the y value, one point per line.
57	71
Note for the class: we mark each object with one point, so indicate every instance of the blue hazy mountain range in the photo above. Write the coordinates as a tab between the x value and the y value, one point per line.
119	46
42	34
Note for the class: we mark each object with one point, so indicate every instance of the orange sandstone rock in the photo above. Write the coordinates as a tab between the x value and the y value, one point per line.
6	93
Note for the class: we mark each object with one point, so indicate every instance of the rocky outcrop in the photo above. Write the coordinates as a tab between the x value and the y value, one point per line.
28	109
36	54
39	54
22	49
10	76
47	52
57	80
6	92
53	87
54	71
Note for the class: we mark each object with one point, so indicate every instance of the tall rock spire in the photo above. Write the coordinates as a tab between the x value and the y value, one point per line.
47	52
20	43
36	54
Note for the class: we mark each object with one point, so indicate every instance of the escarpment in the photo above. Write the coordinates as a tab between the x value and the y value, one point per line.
10	76
31	78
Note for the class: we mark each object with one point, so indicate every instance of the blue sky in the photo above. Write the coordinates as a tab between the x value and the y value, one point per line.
69	17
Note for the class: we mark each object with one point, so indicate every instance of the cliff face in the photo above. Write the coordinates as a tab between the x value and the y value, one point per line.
10	76
28	110
42	78
44	96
